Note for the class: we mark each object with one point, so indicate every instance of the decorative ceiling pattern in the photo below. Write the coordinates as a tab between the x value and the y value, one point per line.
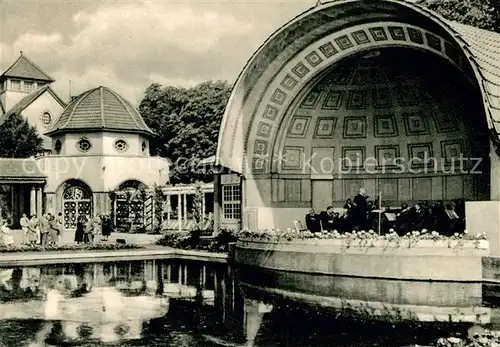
270	113
403	114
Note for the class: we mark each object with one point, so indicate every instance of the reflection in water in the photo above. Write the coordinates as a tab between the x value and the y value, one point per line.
253	315
195	304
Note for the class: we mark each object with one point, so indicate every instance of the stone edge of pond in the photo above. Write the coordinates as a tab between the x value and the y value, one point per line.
85	255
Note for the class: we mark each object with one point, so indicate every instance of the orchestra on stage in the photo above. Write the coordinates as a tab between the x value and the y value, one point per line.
360	213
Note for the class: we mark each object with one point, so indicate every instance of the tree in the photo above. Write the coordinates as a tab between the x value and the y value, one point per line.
187	123
484	14
18	139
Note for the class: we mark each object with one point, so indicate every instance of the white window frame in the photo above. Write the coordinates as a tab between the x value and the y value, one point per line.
24	87
231	202
18	82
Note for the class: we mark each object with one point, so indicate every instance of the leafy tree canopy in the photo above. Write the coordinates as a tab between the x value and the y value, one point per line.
187	122
18	139
484	14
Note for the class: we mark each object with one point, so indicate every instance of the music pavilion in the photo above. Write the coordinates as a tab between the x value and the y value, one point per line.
384	95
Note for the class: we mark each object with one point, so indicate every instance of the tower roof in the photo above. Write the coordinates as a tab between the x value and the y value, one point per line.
23	67
100	109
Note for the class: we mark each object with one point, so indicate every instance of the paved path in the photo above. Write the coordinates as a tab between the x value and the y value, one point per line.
69	236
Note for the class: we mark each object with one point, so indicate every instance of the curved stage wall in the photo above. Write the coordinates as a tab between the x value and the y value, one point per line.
426	281
426	260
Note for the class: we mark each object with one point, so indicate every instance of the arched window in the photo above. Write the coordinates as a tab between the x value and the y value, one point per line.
76	193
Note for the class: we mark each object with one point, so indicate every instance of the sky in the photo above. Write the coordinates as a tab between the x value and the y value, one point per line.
127	45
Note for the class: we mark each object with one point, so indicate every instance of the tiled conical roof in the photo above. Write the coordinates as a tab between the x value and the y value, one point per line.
100	109
25	68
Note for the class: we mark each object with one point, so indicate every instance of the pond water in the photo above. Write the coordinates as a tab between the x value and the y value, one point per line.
198	304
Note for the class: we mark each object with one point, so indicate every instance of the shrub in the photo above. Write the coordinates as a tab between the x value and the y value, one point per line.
199	239
179	239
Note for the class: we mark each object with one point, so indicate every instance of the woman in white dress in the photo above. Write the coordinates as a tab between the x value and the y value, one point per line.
6	238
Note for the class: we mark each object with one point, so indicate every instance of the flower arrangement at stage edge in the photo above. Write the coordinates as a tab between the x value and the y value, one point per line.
361	237
486	338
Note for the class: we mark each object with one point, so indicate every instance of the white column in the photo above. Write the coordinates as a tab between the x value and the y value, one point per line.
203	206
153	208
179	211
204	276
185	207
217	203
169	203
21	200
114	211
494	175
33	201
169	272
94	209
14	203
39	202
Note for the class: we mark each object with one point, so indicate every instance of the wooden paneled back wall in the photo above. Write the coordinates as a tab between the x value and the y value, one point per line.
293	192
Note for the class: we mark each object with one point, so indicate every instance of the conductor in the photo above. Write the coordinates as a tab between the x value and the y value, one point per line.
360	209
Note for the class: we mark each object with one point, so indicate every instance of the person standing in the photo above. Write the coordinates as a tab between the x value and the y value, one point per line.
106	227
44	229
25	228
88	236
361	209
54	231
97	226
34	230
80	230
61	228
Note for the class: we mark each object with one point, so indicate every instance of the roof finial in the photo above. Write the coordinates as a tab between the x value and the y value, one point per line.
21	52
319	3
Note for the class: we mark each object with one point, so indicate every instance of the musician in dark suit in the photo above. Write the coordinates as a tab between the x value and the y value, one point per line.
313	222
361	210
328	219
348	205
344	222
403	220
418	218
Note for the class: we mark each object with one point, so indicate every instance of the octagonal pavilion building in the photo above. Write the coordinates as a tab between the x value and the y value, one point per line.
100	145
